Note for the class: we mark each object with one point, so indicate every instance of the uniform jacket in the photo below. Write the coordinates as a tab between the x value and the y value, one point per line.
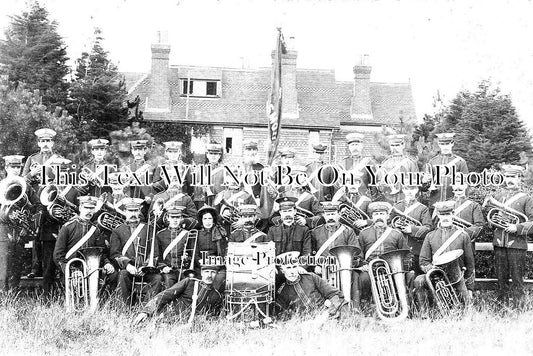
359	164
395	241
444	191
358	200
93	189
185	201
39	158
136	191
473	214
160	183
323	193
217	179
164	239
321	234
241	235
121	235
406	163
420	213
309	203
524	205
290	238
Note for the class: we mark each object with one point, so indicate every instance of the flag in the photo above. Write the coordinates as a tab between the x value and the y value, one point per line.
275	100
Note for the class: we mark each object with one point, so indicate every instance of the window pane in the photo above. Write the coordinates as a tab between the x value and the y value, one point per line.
211	88
229	144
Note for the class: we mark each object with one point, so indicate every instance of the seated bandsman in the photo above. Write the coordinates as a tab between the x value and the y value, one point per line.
349	195
191	297
79	233
378	239
288	235
95	168
467	213
331	234
131	247
248	232
446	237
510	239
12	232
413	219
172	244
304	292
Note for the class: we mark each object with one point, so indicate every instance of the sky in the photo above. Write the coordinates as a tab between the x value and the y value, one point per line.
443	46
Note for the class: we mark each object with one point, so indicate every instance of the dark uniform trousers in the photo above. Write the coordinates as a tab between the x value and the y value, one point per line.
119	237
10	257
510	262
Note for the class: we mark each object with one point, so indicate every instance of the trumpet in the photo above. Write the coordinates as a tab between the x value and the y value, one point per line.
387	279
439	284
501	215
81	282
14	202
401	219
57	205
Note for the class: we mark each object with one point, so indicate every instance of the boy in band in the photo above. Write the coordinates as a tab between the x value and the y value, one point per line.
510	239
446	237
131	249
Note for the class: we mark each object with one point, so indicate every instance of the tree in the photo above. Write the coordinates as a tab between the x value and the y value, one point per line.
488	129
97	94
34	54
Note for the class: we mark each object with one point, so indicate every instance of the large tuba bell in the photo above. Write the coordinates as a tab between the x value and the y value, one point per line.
388	285
14	202
401	219
501	215
439	283
349	214
82	279
57	205
344	255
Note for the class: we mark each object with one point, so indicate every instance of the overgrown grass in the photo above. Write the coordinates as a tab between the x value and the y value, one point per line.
30	326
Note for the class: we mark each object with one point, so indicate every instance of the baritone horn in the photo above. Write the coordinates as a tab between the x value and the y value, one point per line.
439	283
349	213
401	219
14	203
109	217
82	279
57	205
387	279
501	215
344	255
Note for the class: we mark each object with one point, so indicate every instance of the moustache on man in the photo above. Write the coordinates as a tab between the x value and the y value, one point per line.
380	220
330	220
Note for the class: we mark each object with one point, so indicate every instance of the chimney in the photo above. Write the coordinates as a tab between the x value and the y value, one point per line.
288	80
159	96
361	107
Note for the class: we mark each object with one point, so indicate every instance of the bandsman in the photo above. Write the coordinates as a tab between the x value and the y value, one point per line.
139	166
349	197
173	154
206	194
33	166
467	213
322	192
248	232
357	163
95	168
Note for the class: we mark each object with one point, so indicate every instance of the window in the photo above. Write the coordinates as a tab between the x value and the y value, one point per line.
232	141
200	88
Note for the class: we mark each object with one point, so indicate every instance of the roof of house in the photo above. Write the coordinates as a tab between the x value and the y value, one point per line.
323	102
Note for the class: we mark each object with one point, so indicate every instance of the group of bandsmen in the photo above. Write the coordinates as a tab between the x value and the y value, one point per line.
152	244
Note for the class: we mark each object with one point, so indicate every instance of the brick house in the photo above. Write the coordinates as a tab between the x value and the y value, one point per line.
316	107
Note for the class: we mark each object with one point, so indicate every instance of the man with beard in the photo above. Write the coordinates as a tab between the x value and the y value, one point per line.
332	234
446	237
131	247
349	195
248	232
467	212
510	240
377	240
78	234
190	296
289	235
414	221
357	163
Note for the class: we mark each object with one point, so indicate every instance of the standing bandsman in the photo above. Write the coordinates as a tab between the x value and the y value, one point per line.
173	153
446	160
289	235
228	201
414	221
174	196
139	166
446	237
378	239
393	168
206	194
79	233
33	167
12	233
331	234
351	196
95	168
467	212
131	249
357	163
321	191
248	232
510	240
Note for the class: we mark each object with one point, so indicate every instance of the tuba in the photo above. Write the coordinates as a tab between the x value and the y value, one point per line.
502	216
401	219
14	202
439	284
387	280
81	281
344	256
57	205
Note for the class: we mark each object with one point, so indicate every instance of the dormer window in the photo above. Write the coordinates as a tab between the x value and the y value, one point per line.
200	88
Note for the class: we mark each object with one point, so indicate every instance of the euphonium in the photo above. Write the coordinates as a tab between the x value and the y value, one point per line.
81	283
344	256
439	284
109	218
401	219
388	285
501	215
349	213
14	202
57	205
234	216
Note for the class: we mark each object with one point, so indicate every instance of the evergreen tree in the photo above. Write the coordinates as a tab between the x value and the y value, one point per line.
97	94
34	54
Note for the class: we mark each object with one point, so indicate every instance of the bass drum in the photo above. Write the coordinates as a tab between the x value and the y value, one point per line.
250	281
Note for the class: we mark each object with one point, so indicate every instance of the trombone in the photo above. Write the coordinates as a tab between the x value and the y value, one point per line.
192	238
